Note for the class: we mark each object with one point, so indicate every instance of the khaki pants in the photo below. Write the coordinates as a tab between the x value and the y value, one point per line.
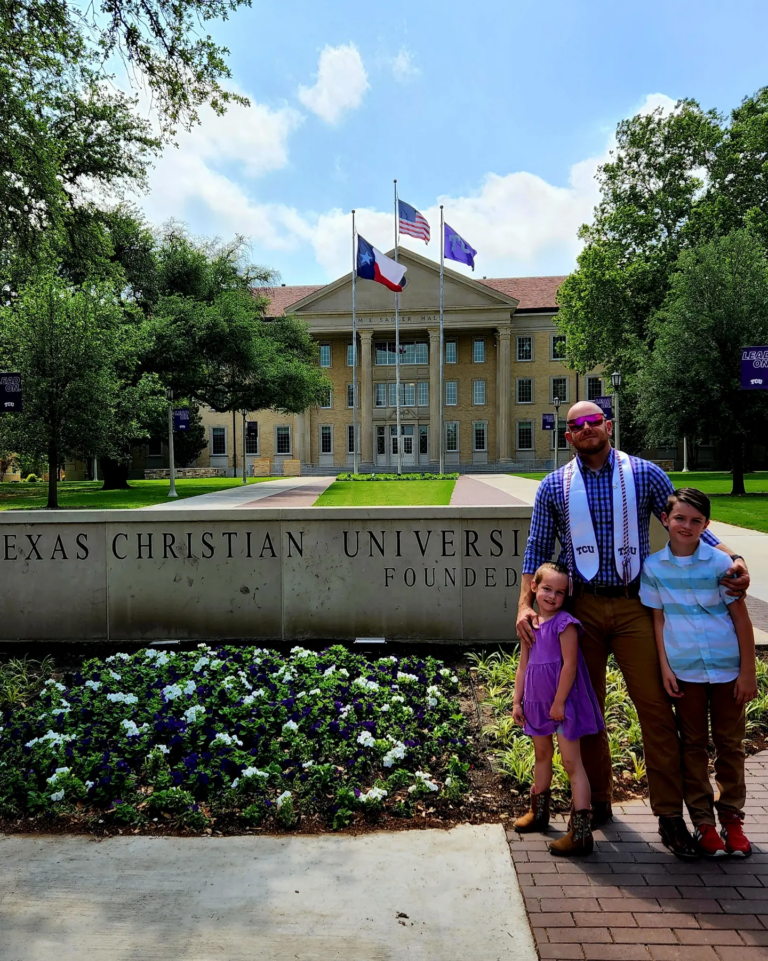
699	704
624	628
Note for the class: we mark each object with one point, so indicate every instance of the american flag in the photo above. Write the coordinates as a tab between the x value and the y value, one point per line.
412	222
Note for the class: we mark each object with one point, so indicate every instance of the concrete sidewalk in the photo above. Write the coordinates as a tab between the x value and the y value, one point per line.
416	895
243	495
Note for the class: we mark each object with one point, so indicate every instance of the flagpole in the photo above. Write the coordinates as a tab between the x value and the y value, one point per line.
397	356
442	344
355	455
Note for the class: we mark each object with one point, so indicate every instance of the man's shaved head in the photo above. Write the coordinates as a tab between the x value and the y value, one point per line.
582	408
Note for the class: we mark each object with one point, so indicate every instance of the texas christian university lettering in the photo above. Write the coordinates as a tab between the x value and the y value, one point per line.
444	543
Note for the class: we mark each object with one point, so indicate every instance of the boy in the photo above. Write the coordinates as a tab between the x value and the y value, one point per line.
707	653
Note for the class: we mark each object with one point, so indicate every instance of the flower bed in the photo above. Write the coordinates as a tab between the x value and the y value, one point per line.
236	735
408	476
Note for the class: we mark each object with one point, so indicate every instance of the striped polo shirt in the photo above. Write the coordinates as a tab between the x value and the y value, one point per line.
699	636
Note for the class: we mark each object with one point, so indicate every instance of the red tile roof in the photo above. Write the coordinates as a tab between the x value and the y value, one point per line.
534	293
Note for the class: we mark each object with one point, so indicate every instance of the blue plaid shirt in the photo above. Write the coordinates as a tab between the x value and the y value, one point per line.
652	487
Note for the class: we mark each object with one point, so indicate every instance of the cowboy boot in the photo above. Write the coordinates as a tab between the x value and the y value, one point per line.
537	816
578	841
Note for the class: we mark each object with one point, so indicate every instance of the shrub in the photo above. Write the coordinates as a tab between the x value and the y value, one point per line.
31	478
423	475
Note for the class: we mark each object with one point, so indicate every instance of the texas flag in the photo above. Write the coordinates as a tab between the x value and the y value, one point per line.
372	264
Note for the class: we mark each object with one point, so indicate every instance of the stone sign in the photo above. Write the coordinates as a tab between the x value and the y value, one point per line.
441	574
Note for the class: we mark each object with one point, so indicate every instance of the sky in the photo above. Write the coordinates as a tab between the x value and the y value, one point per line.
500	111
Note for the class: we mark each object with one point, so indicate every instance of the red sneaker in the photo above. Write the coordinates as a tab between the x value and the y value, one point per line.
733	834
709	841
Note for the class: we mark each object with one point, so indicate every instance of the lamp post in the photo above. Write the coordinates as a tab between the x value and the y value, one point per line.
556	402
616	382
169	398
685	455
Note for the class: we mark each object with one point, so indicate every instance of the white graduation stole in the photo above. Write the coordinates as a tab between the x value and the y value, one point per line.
583	553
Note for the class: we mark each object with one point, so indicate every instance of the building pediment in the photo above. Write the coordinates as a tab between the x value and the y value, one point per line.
421	295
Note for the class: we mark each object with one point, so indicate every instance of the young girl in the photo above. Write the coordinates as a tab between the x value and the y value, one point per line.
553	695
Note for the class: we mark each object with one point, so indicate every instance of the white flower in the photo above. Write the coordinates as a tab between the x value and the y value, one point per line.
58	796
235	783
115	676
315	690
282	799
191	713
123	698
131	730
203	647
200	664
228	682
55	738
51	683
162	749
254	772
190	688
388	660
60	710
367	685
307	764
94	685
455	679
448	781
329	671
228	739
445	671
399	698
375	794
366	739
432	702
301	652
291	726
250	698
89	785
406	678
384	707
397	753
433	690
344	671
424	778
215	663
57	772
171	692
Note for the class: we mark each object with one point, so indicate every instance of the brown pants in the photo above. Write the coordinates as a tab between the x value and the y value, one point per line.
623	627
699	703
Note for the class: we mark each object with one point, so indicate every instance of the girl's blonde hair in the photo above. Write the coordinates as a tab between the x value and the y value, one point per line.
549	566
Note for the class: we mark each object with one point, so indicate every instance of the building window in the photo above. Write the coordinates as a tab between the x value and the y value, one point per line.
350	355
155	448
524	390
562	443
478	351
325	355
282	440
219	441
252	437
594	387
452	437
411	352
423	439
478	392
450	352
380	395
392	395
480	432
325	400
381	440
408	395
350	438
525	435
451	393
326	439
558	346
422	399
350	395
524	348
559	389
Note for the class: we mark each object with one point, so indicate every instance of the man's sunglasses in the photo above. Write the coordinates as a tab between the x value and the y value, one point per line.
594	420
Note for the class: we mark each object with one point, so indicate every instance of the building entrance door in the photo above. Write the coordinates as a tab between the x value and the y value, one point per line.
407	437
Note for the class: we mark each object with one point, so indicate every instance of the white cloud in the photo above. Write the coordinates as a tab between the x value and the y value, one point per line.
340	86
519	222
403	67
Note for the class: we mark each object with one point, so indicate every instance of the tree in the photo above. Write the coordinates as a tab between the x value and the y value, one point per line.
717	304
68	344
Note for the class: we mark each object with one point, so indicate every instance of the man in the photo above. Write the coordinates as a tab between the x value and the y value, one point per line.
599	507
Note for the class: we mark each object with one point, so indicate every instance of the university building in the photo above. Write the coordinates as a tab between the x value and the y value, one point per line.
503	367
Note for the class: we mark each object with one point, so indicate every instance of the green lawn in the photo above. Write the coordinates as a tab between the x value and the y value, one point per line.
87	495
749	511
386	493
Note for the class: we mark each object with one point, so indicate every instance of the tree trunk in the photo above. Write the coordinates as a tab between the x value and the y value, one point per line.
53	487
115	475
738	468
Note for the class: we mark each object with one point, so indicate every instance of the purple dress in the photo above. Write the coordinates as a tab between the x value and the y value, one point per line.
582	711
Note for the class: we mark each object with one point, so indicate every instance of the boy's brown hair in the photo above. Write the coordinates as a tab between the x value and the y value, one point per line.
549	566
694	498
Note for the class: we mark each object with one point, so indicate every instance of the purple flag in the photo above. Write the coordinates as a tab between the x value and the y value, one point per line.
456	248
754	368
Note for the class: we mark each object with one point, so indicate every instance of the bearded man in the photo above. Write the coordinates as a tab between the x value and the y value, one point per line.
599	507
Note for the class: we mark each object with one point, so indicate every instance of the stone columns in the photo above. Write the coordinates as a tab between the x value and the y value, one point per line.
504	391
365	389
434	394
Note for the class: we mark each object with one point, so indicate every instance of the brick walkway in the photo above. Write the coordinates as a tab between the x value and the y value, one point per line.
633	901
297	497
758	612
469	492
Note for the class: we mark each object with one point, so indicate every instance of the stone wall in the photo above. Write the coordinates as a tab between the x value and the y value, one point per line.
421	574
185	472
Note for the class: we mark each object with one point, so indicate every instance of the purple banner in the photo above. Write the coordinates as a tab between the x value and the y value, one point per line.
10	393
547	421
606	405
754	368
181	418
